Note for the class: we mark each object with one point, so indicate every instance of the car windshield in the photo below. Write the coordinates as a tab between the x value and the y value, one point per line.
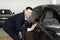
2	11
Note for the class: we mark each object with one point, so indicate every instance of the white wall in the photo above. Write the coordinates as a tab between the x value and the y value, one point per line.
19	5
58	2
52	1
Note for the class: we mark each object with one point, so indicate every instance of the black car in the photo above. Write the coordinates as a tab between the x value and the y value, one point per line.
48	27
4	15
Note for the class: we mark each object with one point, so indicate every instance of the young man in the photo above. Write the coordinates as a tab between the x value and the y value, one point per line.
14	25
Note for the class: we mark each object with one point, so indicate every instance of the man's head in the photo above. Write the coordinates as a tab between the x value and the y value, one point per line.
28	12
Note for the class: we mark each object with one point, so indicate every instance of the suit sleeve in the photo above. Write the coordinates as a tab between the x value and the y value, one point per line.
19	24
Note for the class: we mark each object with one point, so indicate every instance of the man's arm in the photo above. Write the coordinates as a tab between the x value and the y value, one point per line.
19	26
28	29
32	27
19	20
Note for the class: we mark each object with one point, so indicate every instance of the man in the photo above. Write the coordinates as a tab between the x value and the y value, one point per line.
14	25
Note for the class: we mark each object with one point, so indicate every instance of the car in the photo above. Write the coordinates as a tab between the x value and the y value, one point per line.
48	19
4	15
49	22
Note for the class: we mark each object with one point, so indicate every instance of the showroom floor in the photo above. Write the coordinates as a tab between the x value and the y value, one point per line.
4	35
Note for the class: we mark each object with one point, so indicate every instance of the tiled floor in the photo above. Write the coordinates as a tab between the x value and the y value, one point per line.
4	35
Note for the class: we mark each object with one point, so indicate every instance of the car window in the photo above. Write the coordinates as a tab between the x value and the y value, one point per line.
5	11
49	18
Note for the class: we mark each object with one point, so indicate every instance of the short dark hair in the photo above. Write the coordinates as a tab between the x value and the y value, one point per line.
29	8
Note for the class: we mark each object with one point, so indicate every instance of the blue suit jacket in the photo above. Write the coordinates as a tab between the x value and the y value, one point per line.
16	22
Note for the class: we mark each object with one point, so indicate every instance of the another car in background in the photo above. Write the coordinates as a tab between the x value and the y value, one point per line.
4	15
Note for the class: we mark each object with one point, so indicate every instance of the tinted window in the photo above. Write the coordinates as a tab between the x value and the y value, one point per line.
5	12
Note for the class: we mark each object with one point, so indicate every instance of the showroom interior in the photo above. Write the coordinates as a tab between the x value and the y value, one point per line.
10	8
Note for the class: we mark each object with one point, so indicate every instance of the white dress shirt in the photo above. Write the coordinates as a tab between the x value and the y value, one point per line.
28	29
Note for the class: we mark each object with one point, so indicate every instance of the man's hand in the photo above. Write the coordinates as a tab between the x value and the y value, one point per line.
20	35
33	26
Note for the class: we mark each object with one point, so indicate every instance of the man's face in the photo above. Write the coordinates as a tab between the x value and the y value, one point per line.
28	13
